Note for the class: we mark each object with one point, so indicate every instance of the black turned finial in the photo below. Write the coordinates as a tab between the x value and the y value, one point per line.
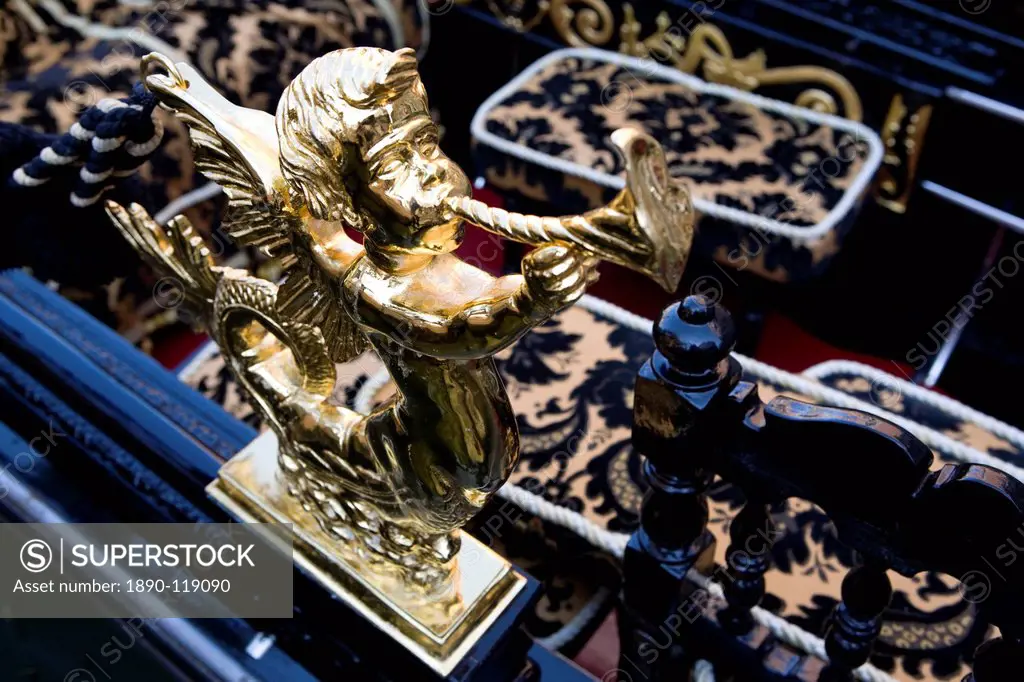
689	368
696	309
674	421
694	337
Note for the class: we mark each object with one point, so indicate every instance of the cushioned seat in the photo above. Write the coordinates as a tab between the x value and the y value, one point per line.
60	57
571	385
777	186
249	49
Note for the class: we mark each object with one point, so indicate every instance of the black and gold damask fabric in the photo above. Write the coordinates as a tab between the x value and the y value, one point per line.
762	161
571	385
249	49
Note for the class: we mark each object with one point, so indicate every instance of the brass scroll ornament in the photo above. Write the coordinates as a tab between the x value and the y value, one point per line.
687	43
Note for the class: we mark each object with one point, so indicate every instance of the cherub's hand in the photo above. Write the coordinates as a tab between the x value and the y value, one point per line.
556	276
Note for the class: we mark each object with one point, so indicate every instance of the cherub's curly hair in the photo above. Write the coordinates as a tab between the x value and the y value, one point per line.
321	110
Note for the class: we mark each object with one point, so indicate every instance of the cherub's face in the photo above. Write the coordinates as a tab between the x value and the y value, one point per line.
410	178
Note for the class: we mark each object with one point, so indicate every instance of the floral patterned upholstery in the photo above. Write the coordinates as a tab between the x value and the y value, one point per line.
248	49
777	186
571	387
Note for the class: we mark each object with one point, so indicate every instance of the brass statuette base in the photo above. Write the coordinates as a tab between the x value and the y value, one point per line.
438	628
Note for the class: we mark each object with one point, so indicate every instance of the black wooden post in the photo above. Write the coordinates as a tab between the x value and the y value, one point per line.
748	558
857	620
1002	659
678	395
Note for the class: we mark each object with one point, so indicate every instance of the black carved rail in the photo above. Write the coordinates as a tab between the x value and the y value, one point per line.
694	418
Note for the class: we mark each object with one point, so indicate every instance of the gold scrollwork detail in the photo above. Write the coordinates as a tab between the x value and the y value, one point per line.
707	48
817	99
593	24
580	23
703	46
903	135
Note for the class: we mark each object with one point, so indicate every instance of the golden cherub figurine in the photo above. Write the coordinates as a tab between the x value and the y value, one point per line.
353	144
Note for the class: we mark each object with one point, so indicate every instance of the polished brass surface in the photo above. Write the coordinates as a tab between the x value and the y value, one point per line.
352	145
647	227
439	631
903	135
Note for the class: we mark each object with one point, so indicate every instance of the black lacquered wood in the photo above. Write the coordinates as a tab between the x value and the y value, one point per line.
874	479
857	620
998	660
689	373
751	534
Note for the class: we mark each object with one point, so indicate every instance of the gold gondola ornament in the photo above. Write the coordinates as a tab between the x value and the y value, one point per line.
377	500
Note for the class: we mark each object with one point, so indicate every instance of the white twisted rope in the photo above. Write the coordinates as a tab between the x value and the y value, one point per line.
574	627
703	672
613	543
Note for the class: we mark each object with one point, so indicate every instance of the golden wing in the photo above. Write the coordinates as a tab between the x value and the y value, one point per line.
177	251
237	148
